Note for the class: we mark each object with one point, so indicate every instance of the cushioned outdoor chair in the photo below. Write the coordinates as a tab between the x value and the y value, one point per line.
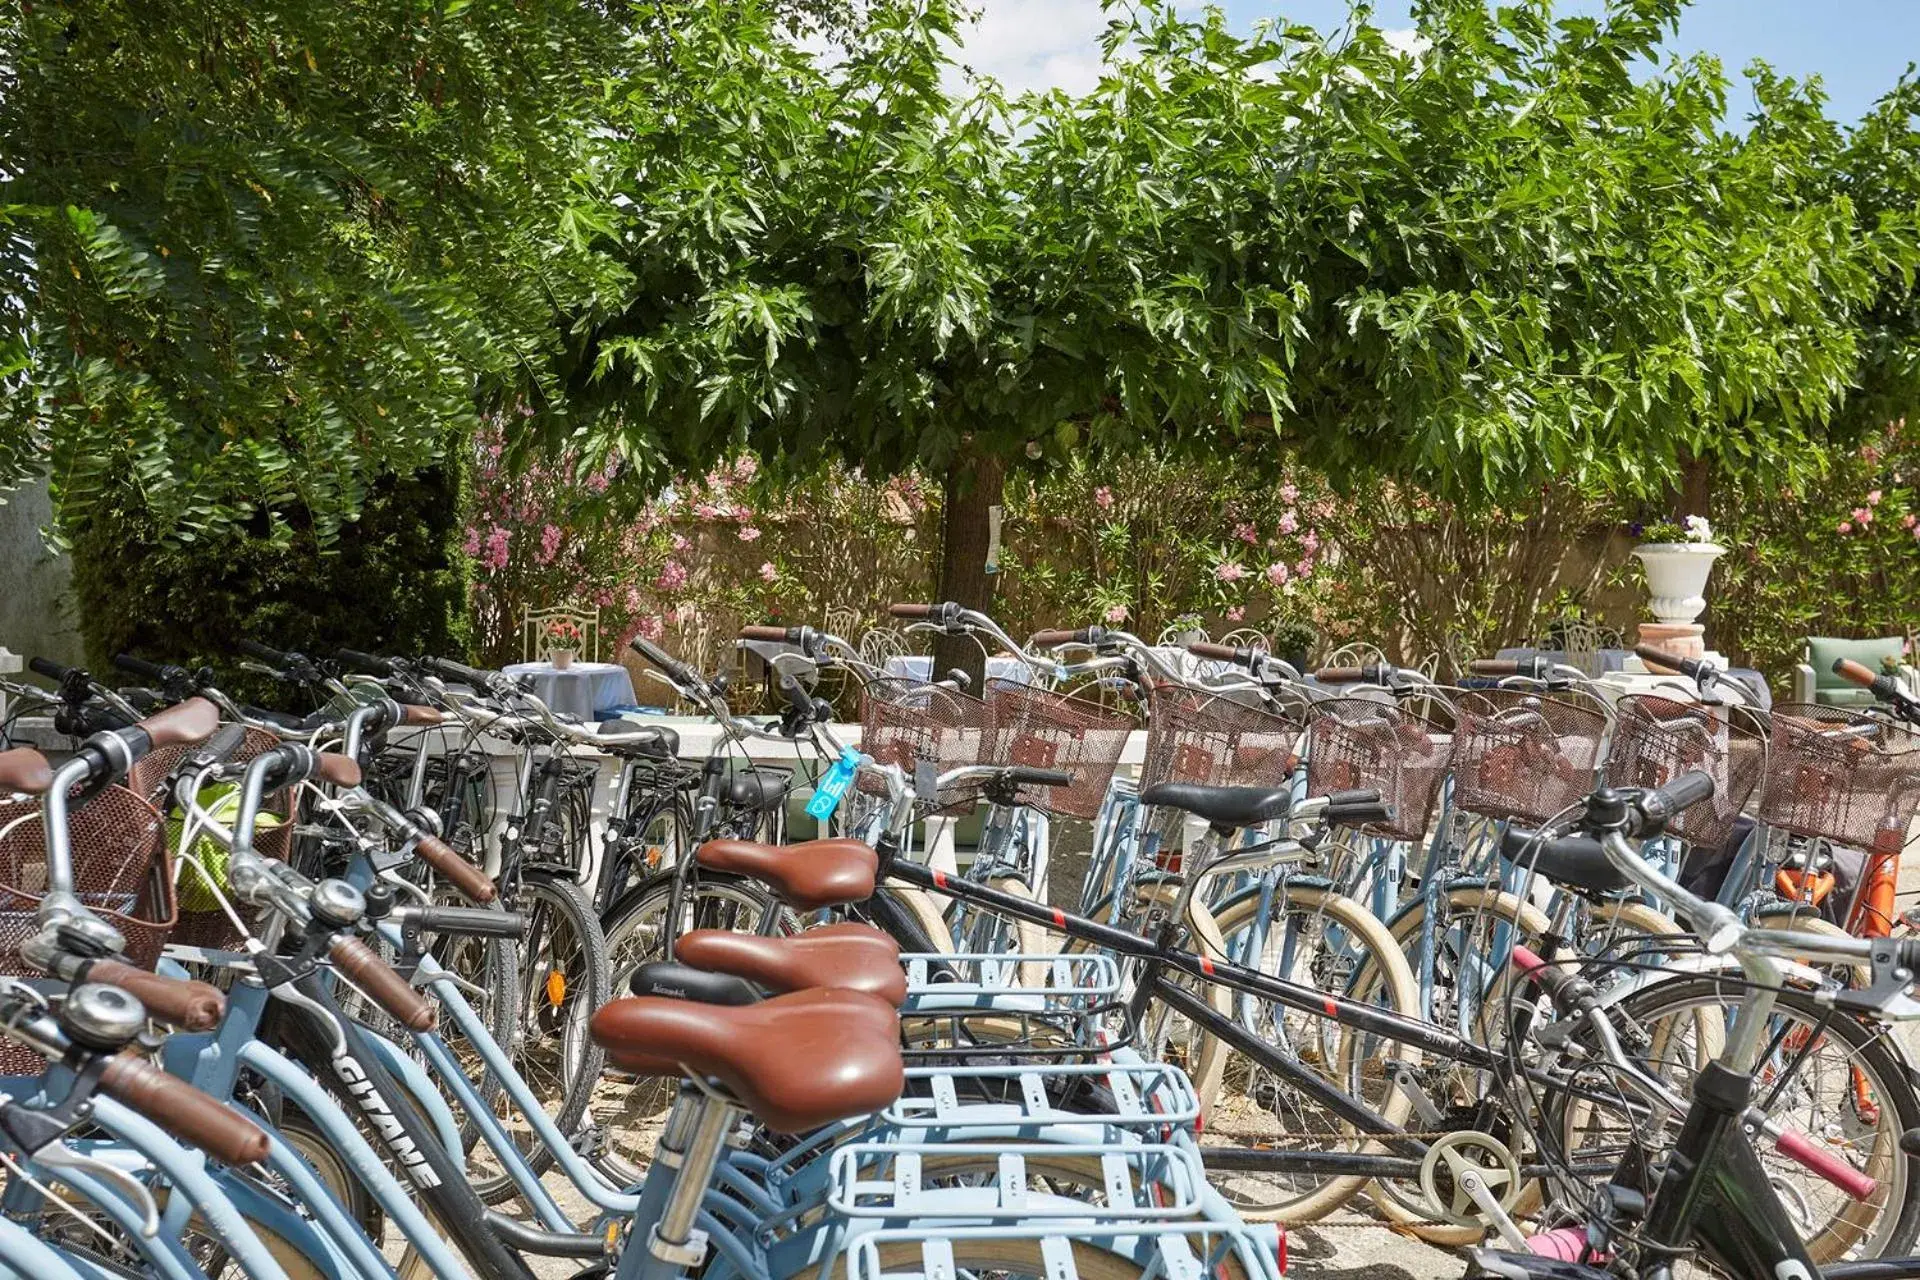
1814	681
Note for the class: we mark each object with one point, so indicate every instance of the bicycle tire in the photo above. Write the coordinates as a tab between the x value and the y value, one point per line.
1867	1049
559	992
1384	972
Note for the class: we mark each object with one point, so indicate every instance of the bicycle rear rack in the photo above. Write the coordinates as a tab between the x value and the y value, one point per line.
881	1180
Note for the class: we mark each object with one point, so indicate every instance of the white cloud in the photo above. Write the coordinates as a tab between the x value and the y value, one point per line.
1036	44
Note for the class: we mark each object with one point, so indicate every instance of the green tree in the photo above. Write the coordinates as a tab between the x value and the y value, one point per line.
1481	261
267	253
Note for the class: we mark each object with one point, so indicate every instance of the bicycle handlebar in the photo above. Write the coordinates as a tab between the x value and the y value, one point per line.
382	983
1654	656
675	670
191	1006
372	664
471	881
196	1118
1086	636
47	667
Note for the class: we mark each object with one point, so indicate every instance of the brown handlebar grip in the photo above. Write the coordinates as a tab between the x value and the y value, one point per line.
421	717
1057	635
910	611
341	771
384	986
1858	673
1493	667
191	721
195	1118
191	1006
776	634
454	869
25	770
1217	652
1340	675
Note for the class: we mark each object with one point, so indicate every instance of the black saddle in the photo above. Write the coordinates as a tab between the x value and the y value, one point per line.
1230	807
630	737
1578	862
679	981
759	789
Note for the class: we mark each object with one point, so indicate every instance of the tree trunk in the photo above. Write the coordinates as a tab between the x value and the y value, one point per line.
1694	495
973	484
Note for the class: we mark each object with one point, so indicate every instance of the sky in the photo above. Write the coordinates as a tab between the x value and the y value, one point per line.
1857	47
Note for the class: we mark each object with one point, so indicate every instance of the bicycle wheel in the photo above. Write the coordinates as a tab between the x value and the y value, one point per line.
628	1112
1309	934
564	977
1809	1079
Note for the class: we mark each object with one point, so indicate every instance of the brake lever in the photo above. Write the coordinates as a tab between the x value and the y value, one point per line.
56	1155
1890	994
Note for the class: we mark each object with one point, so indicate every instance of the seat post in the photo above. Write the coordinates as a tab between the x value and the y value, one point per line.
674	1239
679	1126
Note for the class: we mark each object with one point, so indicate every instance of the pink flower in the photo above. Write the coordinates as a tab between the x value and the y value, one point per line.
1312	541
651	627
1289	493
1117	614
1908	520
768	573
1236	613
673	576
1229	571
1247	534
748	533
1305	568
1869	453
1873	497
549	544
707	511
1862	516
1916	535
634	600
472	545
1103	498
1278	573
495	556
1289	521
600	479
745	467
1846	526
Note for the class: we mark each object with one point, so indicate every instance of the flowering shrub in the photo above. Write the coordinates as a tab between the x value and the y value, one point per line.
1840	558
1153	544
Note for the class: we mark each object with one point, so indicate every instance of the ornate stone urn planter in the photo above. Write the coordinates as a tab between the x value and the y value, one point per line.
1677	574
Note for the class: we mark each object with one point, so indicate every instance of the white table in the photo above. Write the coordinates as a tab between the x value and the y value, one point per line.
580	689
919	667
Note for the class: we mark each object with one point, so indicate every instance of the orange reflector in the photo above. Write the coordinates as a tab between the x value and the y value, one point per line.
556	987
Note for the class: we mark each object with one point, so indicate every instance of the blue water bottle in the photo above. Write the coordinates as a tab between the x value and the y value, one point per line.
827	791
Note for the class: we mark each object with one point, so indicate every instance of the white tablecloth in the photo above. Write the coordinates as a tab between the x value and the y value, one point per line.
580	690
919	666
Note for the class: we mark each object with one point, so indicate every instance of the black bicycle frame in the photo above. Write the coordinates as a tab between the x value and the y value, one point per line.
319	1035
1159	957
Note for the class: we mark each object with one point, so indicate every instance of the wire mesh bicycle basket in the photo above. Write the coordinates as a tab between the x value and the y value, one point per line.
905	723
121	871
1203	738
1657	739
1839	775
201	921
1524	756
1358	743
1046	730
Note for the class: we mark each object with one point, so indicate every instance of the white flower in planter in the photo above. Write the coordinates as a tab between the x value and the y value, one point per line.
1698	530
